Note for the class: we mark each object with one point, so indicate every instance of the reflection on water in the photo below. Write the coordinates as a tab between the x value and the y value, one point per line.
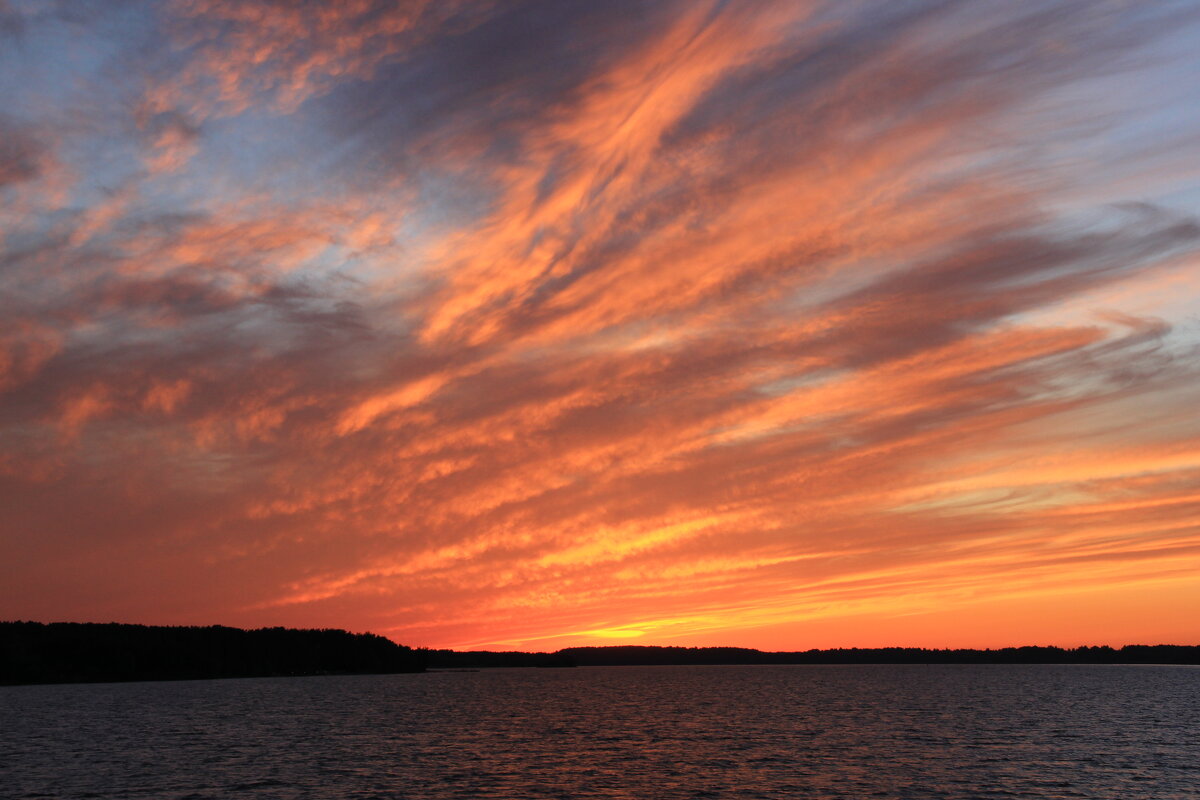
620	732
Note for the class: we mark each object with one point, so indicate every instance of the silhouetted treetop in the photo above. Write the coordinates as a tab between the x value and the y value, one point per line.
71	652
630	655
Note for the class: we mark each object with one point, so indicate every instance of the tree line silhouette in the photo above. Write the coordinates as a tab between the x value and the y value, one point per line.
637	655
487	659
72	652
629	655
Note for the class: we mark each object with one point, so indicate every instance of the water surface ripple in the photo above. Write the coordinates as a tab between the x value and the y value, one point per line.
877	731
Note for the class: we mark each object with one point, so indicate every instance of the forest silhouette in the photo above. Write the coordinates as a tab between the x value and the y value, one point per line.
630	655
70	652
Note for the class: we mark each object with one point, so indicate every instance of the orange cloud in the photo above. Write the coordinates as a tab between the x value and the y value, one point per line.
548	324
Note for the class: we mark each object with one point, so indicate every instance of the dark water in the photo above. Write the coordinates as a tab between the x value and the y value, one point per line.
618	732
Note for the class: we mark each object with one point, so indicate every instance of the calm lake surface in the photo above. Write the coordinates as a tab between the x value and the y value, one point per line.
617	732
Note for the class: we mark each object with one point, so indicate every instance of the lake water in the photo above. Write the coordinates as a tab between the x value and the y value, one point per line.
617	732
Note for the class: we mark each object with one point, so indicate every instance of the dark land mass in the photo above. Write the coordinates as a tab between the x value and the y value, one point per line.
71	652
485	659
646	656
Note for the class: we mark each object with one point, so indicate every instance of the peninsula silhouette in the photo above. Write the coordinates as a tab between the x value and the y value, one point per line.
71	652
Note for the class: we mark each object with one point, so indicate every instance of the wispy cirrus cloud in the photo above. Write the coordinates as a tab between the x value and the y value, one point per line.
539	323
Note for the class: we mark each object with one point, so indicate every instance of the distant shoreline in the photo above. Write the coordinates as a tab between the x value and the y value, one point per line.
627	655
70	652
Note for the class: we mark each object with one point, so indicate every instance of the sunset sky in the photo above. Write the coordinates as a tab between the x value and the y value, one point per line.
536	323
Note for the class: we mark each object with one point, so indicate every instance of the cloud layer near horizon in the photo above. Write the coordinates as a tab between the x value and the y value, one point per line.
535	323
